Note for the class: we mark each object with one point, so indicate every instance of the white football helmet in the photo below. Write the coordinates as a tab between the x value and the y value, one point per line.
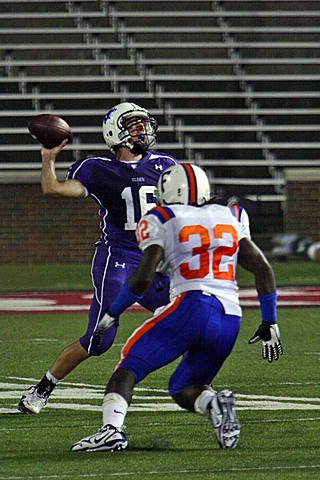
122	118
185	184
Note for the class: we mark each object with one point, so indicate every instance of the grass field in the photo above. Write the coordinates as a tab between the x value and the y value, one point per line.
278	404
46	277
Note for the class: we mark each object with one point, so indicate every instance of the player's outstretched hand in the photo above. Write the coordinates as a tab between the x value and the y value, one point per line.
106	322
271	341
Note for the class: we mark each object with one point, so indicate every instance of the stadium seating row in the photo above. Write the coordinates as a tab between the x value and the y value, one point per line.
233	83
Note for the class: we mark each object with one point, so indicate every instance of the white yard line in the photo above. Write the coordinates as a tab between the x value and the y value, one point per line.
165	473
72	396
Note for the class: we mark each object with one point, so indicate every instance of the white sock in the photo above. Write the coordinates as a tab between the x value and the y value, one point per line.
114	410
202	401
52	378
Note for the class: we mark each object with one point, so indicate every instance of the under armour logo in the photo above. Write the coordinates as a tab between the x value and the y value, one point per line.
108	114
158	167
122	265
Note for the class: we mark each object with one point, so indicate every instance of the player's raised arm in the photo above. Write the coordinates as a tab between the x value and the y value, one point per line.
51	186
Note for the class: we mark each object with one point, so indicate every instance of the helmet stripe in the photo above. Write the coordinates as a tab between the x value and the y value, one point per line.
192	184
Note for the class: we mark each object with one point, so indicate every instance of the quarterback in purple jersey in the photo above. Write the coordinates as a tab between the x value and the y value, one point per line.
123	186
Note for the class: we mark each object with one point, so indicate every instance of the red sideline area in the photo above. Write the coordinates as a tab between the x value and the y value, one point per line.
79	302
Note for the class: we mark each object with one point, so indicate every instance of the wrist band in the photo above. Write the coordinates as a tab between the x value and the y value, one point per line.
268	307
124	299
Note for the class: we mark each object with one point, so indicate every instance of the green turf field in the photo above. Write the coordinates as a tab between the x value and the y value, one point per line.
278	405
52	277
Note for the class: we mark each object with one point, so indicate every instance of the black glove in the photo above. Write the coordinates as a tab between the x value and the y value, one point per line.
271	341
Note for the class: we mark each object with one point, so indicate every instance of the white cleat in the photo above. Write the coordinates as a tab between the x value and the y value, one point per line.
107	438
223	418
32	401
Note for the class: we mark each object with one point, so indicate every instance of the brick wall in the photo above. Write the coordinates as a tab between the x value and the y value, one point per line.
36	229
302	209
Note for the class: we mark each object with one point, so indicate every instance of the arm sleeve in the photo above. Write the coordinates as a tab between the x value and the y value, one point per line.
82	171
244	219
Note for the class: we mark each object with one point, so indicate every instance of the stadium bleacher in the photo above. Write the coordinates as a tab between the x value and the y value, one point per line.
233	84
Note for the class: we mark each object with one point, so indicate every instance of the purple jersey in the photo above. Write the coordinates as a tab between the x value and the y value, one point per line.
124	192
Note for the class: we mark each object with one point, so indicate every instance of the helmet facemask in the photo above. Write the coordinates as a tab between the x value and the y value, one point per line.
138	133
131	126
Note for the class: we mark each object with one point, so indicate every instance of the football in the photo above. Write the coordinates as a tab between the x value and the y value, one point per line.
49	130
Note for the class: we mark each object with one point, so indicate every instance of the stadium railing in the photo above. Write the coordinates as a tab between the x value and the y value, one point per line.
276	57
